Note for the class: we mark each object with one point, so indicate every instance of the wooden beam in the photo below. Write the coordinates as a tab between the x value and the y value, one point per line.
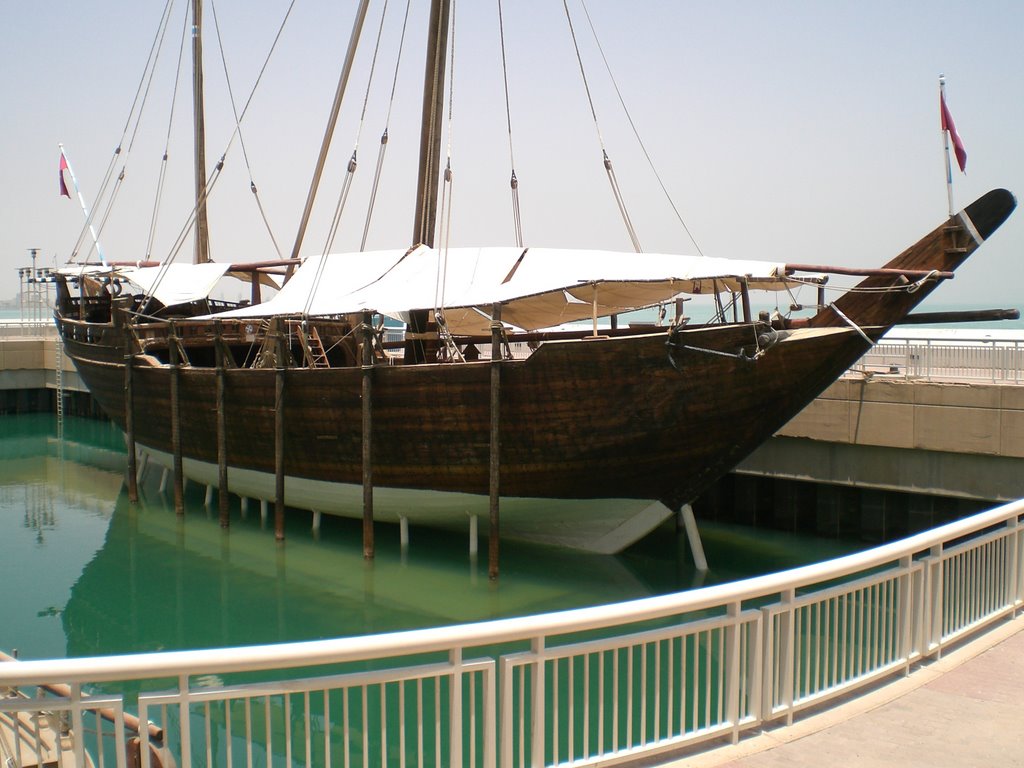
367	337
129	415
279	422
179	478
495	444
222	431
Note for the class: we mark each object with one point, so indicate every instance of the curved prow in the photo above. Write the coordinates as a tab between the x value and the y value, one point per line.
881	301
990	210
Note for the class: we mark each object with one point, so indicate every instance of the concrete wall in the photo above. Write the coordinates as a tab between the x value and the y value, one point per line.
31	363
956	439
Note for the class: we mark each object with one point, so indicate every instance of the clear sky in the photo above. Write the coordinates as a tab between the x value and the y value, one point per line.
791	131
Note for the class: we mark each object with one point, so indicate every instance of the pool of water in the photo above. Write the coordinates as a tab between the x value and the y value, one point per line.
85	572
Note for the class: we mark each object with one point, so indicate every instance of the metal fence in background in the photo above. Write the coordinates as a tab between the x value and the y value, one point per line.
959	359
27	329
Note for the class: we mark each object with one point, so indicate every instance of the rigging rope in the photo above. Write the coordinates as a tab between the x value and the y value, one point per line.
167	144
446	195
513	181
607	161
353	164
384	135
141	90
215	174
441	283
636	133
238	129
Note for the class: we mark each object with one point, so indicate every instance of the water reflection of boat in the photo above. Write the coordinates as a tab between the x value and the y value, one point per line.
184	582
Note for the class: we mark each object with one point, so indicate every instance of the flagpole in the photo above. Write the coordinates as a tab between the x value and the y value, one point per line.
81	202
945	144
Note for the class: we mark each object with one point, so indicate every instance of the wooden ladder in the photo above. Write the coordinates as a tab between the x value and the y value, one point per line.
313	349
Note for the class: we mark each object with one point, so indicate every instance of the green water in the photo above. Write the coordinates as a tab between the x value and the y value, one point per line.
85	572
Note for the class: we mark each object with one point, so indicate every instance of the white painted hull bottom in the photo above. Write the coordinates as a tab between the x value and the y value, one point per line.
602	526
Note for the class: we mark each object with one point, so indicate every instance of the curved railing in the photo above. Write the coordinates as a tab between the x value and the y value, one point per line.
996	359
583	687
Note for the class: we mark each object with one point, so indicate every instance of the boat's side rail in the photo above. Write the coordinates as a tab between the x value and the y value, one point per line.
589	686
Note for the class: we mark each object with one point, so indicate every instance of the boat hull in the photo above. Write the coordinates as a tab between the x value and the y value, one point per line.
618	423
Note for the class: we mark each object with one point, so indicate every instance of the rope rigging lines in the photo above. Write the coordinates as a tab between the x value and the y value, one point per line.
211	181
636	132
609	169
517	218
141	92
353	160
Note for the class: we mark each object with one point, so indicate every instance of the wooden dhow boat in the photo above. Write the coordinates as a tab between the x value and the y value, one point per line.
590	436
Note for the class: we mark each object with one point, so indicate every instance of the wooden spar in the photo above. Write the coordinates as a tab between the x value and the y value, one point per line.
869	272
367	334
222	431
962	316
325	145
179	480
202	252
495	444
745	296
278	430
129	416
430	125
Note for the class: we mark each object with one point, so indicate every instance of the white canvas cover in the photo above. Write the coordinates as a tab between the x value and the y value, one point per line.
537	287
180	284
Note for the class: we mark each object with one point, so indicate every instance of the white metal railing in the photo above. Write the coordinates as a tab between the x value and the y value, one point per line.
591	686
27	329
953	358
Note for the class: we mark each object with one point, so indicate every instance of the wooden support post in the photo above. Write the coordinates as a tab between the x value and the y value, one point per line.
279	359
254	294
745	295
495	446
367	334
693	536
129	417
222	429
179	478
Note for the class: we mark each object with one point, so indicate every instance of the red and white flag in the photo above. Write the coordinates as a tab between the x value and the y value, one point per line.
948	125
60	172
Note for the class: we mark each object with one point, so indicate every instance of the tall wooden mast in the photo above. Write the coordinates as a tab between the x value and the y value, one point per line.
202	249
430	130
430	152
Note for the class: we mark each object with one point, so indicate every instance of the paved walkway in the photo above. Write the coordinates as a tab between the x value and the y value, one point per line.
966	709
